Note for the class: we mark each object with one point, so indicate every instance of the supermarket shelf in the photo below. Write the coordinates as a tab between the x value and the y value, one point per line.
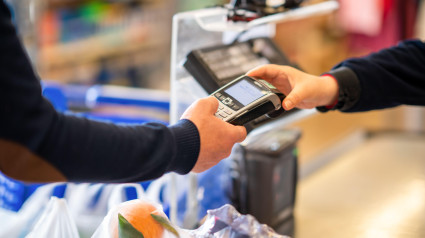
94	48
113	42
61	3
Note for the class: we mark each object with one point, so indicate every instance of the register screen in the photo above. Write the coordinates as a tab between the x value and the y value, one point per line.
244	92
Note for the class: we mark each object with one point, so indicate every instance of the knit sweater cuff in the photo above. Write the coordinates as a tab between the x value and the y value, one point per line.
187	140
349	88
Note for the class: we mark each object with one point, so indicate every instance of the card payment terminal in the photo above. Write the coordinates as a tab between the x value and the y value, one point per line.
214	67
245	99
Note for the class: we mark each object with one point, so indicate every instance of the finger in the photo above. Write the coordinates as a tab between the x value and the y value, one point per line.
267	72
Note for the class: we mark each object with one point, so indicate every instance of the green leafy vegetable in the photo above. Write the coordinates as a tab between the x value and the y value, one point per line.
126	230
166	224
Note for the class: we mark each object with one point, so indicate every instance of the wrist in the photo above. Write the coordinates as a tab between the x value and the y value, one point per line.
331	91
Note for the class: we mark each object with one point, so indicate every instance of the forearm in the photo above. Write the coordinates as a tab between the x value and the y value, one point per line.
85	150
388	78
67	148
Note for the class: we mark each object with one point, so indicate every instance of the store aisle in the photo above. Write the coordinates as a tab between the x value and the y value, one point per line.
375	190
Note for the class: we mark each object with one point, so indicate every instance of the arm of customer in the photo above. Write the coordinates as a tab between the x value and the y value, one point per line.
38	144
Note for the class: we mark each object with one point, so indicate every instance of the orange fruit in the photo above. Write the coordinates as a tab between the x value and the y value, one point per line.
138	213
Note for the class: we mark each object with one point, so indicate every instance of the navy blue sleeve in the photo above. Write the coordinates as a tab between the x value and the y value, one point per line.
35	140
388	78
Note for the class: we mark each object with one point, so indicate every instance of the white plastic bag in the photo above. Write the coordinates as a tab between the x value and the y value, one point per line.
139	213
117	202
118	194
18	224
55	221
223	222
89	203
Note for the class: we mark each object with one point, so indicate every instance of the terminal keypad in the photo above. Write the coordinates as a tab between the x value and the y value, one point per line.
226	107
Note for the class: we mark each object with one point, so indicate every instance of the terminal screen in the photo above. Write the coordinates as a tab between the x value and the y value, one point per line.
244	92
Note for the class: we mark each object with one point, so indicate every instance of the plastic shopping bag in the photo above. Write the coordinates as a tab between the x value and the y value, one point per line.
226	221
18	224
138	217
89	203
144	218
55	221
118	194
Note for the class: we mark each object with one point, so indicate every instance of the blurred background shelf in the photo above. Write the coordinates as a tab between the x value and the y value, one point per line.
61	3
118	42
92	49
98	42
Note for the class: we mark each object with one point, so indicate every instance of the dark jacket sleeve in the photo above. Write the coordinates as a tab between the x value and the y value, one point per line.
36	141
388	78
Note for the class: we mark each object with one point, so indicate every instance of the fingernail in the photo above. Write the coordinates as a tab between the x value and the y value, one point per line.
288	105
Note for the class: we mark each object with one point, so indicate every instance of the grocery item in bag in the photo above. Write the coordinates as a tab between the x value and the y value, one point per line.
136	218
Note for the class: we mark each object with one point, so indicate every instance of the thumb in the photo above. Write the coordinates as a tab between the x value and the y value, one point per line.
208	105
291	100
